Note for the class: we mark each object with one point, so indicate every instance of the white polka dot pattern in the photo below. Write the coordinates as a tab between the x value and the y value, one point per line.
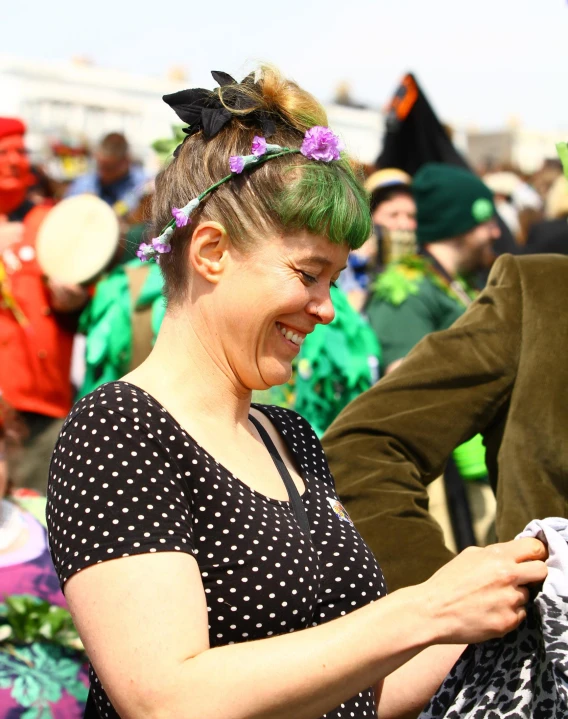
126	479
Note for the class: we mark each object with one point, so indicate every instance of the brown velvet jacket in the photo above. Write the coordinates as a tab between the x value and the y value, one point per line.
501	370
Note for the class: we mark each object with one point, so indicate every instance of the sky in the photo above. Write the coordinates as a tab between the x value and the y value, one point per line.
480	63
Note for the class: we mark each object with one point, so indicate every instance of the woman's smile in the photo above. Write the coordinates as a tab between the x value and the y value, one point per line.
293	337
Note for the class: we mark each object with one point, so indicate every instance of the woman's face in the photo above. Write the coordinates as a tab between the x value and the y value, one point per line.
269	299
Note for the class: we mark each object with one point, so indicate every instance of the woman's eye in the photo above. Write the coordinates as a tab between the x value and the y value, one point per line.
333	284
308	278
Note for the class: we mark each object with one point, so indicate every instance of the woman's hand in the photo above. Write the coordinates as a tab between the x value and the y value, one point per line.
482	593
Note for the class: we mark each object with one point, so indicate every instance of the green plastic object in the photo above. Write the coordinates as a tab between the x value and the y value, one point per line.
470	459
562	150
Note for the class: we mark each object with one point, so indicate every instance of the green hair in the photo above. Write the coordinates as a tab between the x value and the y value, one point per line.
326	199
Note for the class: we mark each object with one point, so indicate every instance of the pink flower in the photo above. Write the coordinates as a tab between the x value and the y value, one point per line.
321	144
180	217
237	163
160	246
258	146
145	251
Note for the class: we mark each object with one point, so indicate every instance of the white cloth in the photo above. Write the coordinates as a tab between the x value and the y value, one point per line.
523	675
553	532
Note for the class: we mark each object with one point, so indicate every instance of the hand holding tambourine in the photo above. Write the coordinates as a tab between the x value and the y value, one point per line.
77	240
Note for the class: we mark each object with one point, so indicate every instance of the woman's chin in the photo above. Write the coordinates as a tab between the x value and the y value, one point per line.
274	374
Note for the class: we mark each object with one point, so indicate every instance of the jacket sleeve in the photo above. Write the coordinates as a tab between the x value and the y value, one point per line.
393	440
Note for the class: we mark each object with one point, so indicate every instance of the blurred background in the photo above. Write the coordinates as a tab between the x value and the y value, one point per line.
493	70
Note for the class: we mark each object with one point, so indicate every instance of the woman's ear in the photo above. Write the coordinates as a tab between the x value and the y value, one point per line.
208	250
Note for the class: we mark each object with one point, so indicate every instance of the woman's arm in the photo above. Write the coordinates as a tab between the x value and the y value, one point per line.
405	692
143	620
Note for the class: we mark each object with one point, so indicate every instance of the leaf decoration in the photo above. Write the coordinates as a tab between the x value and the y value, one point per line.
25	619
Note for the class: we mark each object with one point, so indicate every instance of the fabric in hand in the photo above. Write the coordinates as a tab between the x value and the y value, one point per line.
524	675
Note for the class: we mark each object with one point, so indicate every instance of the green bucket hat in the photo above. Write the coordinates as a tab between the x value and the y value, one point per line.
449	201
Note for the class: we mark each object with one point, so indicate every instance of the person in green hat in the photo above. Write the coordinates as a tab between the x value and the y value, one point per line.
427	291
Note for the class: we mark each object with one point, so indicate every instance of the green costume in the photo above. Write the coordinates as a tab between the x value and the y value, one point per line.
408	301
129	296
336	363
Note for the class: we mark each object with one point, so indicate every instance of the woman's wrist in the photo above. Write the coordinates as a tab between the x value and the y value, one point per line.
412	615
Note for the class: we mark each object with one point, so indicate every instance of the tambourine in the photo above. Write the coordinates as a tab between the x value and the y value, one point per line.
77	240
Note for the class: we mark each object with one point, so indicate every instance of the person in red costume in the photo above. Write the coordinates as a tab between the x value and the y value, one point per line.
37	315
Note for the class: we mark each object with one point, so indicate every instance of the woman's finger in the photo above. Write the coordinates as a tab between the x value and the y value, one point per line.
532	572
526	548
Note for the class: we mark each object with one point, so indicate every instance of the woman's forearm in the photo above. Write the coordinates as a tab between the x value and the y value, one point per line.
302	675
407	690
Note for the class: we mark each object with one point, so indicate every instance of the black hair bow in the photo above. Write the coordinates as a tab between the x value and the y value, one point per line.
203	110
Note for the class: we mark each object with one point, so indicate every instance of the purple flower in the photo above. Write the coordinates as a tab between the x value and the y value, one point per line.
237	163
161	245
258	146
181	215
320	143
144	251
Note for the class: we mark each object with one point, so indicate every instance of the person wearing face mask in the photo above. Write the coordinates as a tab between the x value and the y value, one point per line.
427	291
208	564
393	211
37	315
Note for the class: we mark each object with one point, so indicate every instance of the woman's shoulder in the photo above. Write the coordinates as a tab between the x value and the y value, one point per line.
111	397
285	420
300	438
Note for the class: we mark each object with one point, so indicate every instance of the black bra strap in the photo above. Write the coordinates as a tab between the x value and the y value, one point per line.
293	494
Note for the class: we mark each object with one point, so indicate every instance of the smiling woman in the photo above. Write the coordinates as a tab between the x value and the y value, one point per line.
208	563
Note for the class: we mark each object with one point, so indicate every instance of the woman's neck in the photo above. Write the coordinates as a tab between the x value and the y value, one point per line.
185	375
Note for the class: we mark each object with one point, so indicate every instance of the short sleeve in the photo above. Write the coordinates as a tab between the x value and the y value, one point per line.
114	491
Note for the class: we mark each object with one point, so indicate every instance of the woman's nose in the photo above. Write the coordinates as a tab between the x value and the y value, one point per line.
322	309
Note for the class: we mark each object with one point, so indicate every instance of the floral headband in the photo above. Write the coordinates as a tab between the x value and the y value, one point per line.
319	144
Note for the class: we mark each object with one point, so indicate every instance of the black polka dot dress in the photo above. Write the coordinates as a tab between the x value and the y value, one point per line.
126	479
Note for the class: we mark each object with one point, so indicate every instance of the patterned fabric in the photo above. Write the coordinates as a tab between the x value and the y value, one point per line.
126	479
38	680
525	674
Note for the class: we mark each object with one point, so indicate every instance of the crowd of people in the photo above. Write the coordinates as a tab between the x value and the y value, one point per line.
294	383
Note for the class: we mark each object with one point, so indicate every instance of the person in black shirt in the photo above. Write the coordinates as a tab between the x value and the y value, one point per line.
207	561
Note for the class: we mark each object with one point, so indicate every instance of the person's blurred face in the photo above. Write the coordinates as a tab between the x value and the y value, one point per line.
477	247
110	169
398	213
14	164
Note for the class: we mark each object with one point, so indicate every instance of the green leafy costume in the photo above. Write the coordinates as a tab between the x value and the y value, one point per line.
107	322
336	363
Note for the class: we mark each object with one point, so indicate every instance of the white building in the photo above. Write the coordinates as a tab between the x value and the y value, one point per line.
515	146
361	130
79	103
